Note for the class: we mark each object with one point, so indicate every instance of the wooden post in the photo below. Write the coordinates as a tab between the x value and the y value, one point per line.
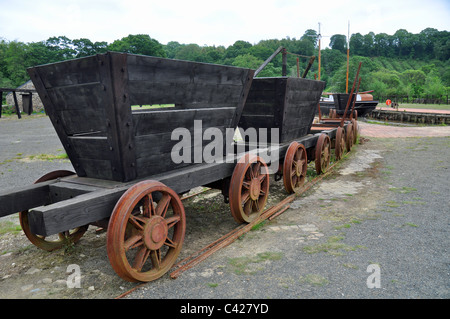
16	105
284	61
1	103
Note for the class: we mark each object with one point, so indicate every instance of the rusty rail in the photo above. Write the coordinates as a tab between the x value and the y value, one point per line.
227	239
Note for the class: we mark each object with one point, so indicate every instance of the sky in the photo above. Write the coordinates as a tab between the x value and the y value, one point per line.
215	22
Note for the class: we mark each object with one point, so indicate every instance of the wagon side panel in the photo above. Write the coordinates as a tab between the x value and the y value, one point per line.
194	97
302	98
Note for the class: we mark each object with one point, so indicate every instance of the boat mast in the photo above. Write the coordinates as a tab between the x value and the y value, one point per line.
348	56
319	51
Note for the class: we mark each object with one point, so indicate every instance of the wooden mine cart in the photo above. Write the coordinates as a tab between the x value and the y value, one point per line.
125	176
289	104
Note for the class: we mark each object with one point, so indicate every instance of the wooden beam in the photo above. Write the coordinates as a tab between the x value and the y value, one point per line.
23	198
268	60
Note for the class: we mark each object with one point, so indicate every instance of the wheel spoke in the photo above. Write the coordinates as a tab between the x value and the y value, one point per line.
141	258
245	197
137	222
155	257
163	205
248	207
133	242
256	169
148	209
169	242
256	205
171	221
262	178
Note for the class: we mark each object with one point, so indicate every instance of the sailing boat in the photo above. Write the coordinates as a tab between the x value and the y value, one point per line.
334	104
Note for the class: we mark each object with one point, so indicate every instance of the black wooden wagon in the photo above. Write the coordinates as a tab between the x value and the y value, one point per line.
289	104
126	178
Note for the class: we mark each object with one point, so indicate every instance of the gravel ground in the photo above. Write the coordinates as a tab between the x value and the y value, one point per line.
381	221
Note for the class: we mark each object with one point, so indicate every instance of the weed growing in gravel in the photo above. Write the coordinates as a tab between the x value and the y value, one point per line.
247	265
333	246
314	279
402	190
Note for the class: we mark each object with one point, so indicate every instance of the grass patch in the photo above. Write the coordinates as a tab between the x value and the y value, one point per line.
333	246
249	265
402	190
314	280
47	157
258	226
392	203
410	224
9	227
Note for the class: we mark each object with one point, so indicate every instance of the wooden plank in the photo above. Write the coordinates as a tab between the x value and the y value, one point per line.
98	168
23	198
145	68
149	93
147	145
55	118
71	72
64	190
92	147
83	96
166	121
82	121
75	212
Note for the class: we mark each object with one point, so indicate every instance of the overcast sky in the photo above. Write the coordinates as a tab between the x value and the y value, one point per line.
214	22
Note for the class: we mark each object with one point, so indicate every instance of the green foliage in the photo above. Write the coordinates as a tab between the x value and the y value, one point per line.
138	44
402	63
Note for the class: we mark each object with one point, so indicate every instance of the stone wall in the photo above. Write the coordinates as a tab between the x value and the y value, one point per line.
37	103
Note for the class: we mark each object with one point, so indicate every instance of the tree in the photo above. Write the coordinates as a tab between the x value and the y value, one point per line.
238	48
62	47
189	52
338	42
138	44
357	44
85	47
311	36
247	61
383	45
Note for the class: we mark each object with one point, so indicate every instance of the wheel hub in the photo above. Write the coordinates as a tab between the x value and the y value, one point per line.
155	233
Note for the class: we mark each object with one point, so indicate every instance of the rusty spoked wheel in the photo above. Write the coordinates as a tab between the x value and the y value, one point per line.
339	145
54	242
349	137
249	188
294	167
145	232
323	153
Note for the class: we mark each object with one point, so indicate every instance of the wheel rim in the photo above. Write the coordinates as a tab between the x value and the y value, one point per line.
339	147
355	131
65	238
323	152
249	188
294	168
144	239
349	136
